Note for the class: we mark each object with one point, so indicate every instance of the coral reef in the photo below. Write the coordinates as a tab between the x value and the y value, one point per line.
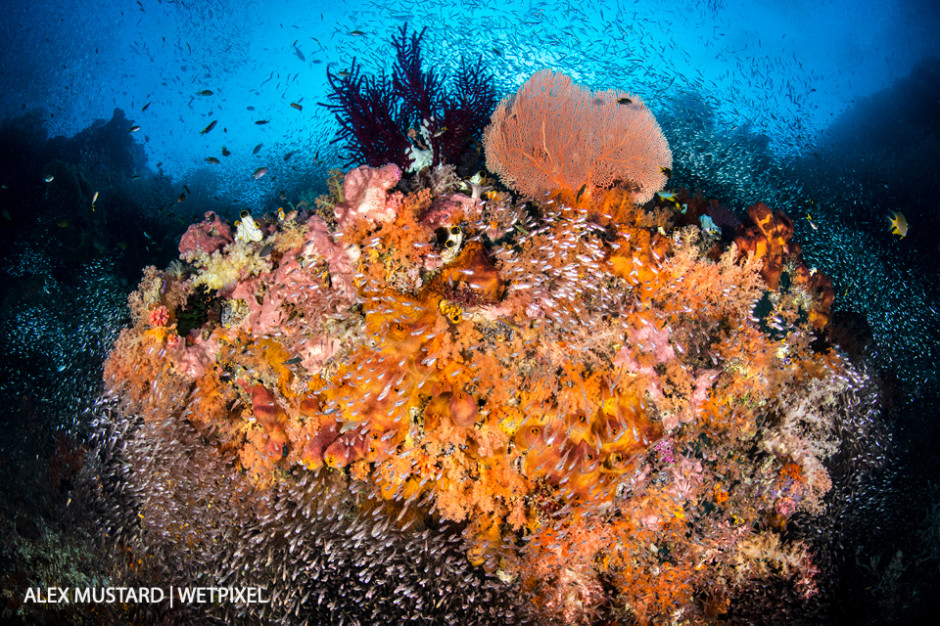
623	413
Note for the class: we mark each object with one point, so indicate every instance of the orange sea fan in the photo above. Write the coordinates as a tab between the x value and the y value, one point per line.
553	134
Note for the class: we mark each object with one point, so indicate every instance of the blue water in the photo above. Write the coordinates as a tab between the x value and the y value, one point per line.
784	69
829	111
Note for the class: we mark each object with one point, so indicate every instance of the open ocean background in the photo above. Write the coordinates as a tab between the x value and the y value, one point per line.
828	110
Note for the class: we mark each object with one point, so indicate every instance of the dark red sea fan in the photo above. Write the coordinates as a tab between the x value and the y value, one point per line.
375	113
371	122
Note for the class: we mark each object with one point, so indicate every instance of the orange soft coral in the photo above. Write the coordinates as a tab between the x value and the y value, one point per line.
770	240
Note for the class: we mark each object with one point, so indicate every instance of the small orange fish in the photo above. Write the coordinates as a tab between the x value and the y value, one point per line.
296	106
261	171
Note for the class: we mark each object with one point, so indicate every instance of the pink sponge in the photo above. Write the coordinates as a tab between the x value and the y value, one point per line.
365	191
207	236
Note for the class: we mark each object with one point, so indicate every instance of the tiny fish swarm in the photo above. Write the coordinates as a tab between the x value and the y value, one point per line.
622	412
553	134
